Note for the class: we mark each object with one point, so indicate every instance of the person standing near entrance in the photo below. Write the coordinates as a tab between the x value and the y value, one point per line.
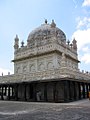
38	95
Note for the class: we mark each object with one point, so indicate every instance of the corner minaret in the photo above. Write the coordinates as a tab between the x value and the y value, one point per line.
74	42
16	44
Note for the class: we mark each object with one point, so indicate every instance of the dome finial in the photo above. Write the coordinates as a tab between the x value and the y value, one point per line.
45	21
22	44
53	24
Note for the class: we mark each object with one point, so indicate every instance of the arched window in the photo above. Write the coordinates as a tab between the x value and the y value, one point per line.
32	68
24	69
41	67
50	65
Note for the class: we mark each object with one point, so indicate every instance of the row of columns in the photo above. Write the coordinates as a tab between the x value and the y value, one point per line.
72	91
75	90
6	92
30	91
11	92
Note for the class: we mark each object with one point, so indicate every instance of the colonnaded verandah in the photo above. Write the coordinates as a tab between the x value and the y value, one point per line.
45	69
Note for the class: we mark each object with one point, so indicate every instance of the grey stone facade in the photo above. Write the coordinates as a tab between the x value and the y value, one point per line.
46	68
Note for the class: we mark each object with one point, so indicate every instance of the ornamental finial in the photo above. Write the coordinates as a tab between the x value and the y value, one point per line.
45	21
22	44
53	24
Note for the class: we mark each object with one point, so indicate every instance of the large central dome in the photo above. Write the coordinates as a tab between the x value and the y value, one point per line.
47	31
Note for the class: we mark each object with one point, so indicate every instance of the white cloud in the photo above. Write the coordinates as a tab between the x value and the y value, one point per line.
86	58
85	22
86	49
86	55
5	71
82	34
74	1
83	44
82	37
86	3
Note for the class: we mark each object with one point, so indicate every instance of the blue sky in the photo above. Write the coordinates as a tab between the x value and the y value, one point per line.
22	16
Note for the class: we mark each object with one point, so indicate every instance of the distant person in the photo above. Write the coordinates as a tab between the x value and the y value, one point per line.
38	95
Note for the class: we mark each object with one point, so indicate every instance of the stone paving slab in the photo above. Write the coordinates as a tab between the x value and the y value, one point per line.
11	110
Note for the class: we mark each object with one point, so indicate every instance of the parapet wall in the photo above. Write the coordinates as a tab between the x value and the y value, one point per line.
52	74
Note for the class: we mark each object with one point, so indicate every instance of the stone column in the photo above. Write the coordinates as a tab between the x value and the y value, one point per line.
45	92
31	91
16	91
8	92
28	92
55	94
75	90
66	89
35	92
30	95
87	89
5	89
79	90
24	91
2	93
12	92
83	84
70	91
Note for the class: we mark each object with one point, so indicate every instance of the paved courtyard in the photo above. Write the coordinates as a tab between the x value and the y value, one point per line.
79	110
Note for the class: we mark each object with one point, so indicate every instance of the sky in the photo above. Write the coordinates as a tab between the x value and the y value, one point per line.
22	16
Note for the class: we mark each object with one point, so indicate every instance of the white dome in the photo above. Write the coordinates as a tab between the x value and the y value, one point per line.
46	30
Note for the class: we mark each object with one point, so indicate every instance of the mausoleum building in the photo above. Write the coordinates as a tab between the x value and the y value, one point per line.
45	69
